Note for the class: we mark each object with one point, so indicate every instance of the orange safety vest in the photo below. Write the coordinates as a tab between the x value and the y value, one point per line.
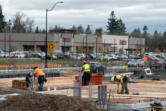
39	72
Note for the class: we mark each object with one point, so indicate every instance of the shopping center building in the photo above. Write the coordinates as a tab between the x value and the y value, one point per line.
69	41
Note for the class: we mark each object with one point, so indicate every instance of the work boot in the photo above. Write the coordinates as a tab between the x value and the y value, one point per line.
120	93
126	92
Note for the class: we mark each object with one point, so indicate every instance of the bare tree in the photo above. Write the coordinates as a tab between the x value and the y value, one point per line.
18	23
29	23
21	23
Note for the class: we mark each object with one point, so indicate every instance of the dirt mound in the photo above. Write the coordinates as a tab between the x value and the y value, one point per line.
40	102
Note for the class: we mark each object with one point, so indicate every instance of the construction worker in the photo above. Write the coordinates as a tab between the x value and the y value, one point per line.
29	80
123	80
41	77
86	73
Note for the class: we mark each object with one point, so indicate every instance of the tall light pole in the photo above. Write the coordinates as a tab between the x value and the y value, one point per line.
87	40
47	10
86	44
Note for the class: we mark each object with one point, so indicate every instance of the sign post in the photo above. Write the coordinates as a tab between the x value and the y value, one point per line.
51	46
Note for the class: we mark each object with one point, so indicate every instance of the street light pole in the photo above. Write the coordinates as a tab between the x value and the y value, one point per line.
47	10
46	42
86	45
96	48
83	46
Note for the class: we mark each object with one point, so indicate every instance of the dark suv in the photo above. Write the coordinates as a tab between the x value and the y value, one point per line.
156	63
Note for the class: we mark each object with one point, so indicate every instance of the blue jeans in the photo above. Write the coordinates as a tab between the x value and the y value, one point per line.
41	82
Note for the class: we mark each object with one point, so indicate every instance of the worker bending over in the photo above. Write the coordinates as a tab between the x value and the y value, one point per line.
123	80
86	73
41	77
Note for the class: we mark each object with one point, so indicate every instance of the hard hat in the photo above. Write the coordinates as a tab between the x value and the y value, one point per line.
84	62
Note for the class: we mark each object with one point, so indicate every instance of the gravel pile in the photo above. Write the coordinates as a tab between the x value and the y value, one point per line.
40	102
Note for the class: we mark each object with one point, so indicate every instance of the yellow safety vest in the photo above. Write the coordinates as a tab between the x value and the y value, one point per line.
86	68
120	78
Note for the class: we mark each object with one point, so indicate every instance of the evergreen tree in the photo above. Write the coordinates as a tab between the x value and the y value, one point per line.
55	29
88	30
164	40
147	39
112	23
2	21
121	29
99	32
37	30
155	41
43	31
74	27
136	33
115	26
145	28
8	26
80	29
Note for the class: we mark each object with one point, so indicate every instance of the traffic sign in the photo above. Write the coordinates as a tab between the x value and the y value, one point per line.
100	49
51	45
51	53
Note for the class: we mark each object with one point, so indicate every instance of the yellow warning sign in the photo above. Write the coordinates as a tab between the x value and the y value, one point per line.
51	45
51	53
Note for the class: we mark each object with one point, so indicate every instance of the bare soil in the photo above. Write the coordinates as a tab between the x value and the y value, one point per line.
41	102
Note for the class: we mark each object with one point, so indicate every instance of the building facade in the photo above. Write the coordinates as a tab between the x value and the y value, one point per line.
136	44
115	43
65	42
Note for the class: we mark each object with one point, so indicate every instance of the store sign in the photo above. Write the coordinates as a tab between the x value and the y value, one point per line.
123	42
66	39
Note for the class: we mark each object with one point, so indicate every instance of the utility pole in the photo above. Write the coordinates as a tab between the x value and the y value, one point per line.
96	47
9	44
128	45
86	44
83	45
104	46
114	45
64	48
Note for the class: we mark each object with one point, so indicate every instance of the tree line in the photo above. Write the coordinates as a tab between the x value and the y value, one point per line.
20	23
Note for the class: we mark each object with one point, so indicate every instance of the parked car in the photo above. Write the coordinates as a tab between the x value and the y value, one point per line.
20	55
136	62
140	62
132	63
59	55
96	67
156	63
122	57
110	57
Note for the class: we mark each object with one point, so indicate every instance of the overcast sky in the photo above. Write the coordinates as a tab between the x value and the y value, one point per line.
134	13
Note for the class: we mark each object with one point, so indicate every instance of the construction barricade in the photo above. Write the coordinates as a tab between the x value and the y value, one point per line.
95	79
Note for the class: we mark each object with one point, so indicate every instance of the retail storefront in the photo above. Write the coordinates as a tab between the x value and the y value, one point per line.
70	42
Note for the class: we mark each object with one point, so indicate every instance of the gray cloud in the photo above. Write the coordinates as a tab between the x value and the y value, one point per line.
134	13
